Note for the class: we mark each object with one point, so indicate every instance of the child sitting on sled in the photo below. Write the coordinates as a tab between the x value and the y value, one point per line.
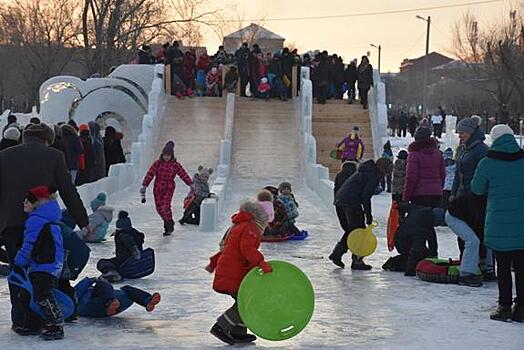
128	243
195	197
288	199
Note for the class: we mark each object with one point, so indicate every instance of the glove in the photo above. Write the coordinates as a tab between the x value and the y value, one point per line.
369	219
210	268
136	253
265	267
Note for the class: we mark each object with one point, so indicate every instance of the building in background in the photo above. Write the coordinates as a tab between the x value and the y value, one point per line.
254	34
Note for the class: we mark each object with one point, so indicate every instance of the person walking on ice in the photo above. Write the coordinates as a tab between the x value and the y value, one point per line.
164	170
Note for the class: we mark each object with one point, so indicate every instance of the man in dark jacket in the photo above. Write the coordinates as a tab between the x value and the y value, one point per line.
355	197
365	80
21	168
242	56
351	76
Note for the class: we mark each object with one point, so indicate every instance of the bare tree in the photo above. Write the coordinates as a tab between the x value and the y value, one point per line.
40	35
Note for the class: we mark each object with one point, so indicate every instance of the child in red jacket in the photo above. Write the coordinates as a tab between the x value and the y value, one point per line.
237	256
165	170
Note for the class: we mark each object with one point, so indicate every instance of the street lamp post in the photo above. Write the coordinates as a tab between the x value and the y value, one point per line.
379	48
428	21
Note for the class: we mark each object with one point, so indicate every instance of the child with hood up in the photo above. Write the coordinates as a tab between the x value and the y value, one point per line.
195	198
237	256
128	243
99	220
399	176
42	255
264	89
164	170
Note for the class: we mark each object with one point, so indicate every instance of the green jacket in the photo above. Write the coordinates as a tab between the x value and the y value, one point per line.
501	176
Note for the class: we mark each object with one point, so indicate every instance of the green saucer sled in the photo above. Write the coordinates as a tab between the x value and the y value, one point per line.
277	305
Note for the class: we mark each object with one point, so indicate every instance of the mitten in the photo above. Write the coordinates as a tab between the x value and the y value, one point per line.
265	267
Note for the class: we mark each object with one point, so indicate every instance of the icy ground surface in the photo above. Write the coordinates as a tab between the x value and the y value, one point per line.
353	310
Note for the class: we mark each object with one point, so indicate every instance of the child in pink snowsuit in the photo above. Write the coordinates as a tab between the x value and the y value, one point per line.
165	169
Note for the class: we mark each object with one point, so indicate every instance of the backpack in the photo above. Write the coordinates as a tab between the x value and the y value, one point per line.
438	270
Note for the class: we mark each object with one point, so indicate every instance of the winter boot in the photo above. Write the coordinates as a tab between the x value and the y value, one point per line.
470	281
489	276
503	313
111	276
24	331
240	335
112	306
155	299
169	227
221	334
52	332
336	255
52	329
358	263
518	313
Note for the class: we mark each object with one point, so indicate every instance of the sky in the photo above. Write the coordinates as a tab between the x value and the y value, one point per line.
400	35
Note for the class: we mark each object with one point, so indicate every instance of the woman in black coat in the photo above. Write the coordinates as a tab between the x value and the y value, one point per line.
365	80
113	151
85	175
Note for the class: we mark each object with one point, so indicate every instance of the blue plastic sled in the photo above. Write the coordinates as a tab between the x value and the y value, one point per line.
65	303
299	236
132	268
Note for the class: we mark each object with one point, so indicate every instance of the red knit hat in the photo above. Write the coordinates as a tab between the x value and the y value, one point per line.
38	193
83	127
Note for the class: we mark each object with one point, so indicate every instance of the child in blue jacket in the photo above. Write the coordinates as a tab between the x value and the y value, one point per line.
288	199
97	298
42	255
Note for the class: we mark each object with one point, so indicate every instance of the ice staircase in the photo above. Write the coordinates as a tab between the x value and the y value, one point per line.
265	140
332	122
197	127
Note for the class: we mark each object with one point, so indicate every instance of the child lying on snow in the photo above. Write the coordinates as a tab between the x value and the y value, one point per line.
416	228
97	298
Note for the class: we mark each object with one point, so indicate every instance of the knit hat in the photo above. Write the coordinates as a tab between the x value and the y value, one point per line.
448	153
38	193
422	133
403	154
268	209
41	132
99	201
83	127
356	129
204	171
169	149
387	145
468	125
499	130
123	222
12	133
284	185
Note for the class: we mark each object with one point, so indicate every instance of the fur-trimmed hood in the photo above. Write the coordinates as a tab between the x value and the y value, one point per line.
255	211
424	144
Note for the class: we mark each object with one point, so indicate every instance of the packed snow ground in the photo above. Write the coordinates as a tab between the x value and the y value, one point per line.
353	309
357	310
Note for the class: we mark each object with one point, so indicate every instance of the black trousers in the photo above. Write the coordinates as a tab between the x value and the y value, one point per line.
230	320
192	214
505	282
363	96
385	183
244	79
354	218
321	93
402	132
437	130
21	314
433	202
106	265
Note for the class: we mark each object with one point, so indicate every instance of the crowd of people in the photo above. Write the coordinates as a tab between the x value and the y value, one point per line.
475	190
399	123
263	75
88	155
